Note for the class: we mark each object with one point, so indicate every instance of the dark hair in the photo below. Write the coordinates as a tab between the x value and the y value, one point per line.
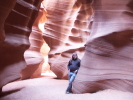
74	54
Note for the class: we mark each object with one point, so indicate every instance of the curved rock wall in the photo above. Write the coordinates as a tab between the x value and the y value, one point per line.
66	31
108	60
17	30
33	56
5	9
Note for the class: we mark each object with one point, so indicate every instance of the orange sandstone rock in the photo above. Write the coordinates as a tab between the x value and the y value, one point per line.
66	31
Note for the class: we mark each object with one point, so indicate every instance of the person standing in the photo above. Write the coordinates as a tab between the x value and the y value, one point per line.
73	67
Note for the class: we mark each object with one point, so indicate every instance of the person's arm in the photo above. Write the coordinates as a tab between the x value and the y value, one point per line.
68	66
79	63
76	71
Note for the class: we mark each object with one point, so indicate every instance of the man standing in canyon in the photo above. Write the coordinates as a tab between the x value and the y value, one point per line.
73	67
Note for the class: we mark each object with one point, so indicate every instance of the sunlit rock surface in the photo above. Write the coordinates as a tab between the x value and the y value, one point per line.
33	56
66	31
17	30
108	59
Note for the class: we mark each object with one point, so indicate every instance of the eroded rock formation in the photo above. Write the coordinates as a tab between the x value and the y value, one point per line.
108	60
33	56
5	9
66	31
17	29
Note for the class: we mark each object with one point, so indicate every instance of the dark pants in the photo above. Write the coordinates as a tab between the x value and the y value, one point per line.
71	77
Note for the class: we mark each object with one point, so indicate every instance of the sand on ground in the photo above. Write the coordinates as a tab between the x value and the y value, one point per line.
50	88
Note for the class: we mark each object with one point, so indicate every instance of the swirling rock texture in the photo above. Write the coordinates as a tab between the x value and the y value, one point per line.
108	60
5	9
19	16
66	31
33	56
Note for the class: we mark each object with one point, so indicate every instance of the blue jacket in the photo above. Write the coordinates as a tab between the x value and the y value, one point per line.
74	64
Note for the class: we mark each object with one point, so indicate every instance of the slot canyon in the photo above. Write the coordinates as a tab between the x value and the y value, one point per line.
38	37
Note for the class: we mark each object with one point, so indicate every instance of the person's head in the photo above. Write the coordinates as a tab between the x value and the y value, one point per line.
74	56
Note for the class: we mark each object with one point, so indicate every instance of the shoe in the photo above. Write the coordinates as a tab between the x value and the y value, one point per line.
67	92
70	92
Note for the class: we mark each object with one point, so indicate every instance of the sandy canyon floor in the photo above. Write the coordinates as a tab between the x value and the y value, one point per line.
50	88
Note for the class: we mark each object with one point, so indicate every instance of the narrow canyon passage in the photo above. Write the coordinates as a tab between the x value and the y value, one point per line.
39	36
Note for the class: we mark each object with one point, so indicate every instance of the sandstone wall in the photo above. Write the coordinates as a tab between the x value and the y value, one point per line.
66	31
33	56
108	60
5	9
19	16
107	43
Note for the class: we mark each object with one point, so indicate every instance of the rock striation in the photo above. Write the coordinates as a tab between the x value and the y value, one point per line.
16	22
66	31
99	31
33	56
108	60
